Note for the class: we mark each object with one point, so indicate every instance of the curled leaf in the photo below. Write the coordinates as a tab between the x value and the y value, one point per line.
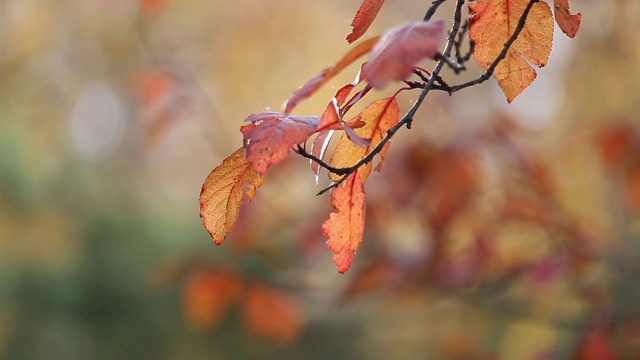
401	48
569	24
270	141
364	18
221	194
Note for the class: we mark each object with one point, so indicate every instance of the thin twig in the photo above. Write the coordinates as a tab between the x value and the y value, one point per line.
432	9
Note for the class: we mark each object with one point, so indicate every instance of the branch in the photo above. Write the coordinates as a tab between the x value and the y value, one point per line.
433	82
505	49
408	117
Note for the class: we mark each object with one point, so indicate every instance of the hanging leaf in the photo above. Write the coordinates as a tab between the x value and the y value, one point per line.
493	23
221	194
345	227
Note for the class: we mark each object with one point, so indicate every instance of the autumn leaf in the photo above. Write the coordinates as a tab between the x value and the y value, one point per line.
272	314
345	227
364	18
569	24
270	141
313	84
221	194
379	116
208	295
492	25
401	48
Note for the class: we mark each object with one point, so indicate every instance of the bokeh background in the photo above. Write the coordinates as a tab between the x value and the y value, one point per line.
494	231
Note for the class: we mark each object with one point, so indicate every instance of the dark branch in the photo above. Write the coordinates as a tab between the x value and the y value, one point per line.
431	82
432	9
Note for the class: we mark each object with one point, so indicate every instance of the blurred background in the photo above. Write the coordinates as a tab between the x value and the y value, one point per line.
494	231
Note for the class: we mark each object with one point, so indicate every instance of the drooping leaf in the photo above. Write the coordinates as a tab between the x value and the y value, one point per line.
364	18
270	141
272	314
221	194
208	295
492	25
569	24
401	48
313	84
345	227
379	116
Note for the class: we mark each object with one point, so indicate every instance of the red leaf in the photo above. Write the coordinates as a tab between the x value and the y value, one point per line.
310	87
364	17
271	140
401	48
493	23
569	24
273	314
345	227
221	194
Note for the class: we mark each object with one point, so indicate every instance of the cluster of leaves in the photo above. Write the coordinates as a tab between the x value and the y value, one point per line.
505	36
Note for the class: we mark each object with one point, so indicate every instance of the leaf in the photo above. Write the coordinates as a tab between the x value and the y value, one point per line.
221	194
207	296
272	314
345	227
364	18
271	140
492	25
569	24
379	116
401	48
313	84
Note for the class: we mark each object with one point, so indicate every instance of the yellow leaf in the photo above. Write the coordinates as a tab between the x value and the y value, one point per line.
221	194
492	25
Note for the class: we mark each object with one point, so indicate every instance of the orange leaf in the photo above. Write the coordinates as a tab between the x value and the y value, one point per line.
379	116
401	48
221	194
364	18
569	24
492	25
271	140
207	295
345	227
272	314
313	84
